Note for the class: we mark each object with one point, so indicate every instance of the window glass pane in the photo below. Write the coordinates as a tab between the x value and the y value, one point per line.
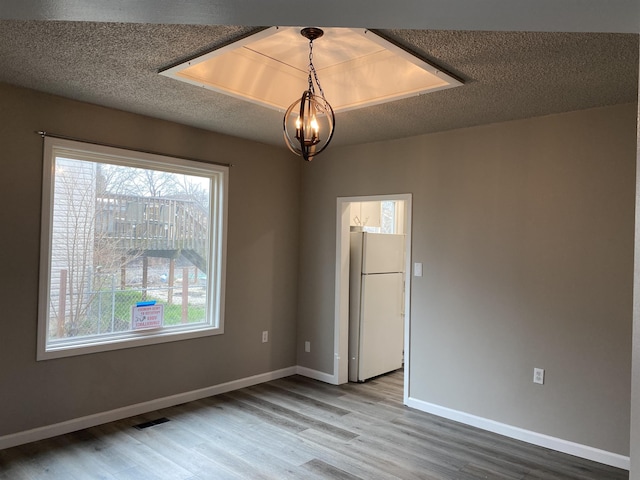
388	217
131	250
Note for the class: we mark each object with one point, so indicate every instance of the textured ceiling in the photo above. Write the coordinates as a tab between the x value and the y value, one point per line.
507	75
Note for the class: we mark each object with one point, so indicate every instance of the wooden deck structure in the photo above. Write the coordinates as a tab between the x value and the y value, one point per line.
154	227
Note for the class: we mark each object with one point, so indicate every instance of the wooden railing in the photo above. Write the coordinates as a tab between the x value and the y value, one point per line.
151	223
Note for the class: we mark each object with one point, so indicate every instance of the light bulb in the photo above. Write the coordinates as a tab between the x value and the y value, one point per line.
298	125
314	130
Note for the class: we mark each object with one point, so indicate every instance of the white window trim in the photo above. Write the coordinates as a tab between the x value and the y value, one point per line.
218	244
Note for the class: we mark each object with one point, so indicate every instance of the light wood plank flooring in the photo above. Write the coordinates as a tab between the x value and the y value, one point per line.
294	428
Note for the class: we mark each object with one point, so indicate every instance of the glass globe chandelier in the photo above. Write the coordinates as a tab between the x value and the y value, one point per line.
309	122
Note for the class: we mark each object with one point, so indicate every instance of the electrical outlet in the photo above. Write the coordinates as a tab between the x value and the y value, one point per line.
265	336
538	375
307	347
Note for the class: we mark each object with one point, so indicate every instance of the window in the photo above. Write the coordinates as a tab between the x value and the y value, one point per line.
133	249
377	216
388	222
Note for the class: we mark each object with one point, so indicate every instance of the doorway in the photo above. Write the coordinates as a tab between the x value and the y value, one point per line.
343	227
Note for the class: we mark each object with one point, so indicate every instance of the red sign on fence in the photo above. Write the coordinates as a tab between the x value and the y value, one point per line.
147	316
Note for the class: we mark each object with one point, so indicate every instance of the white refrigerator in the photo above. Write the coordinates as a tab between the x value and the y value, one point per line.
376	292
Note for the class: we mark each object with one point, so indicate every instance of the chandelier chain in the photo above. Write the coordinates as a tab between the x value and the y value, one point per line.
312	70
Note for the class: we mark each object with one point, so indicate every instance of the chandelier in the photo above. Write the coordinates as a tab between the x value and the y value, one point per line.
309	122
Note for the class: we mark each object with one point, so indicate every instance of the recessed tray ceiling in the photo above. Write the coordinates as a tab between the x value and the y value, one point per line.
356	67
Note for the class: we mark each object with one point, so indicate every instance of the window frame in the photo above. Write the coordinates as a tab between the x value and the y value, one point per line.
218	201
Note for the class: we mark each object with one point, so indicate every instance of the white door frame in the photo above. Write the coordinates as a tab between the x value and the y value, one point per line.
341	331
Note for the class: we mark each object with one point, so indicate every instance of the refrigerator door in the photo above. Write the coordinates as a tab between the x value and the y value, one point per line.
382	253
381	325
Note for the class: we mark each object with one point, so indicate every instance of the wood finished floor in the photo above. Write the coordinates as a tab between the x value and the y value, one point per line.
294	428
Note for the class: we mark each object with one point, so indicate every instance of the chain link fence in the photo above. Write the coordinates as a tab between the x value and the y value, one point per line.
105	306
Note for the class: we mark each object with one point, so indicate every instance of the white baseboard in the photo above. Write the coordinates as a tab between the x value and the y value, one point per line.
49	431
565	446
316	375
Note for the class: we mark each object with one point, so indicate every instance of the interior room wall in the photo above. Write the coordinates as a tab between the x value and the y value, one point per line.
364	214
261	280
634	473
526	231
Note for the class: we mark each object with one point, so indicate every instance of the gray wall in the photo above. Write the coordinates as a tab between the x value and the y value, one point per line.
262	268
634	473
526	232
